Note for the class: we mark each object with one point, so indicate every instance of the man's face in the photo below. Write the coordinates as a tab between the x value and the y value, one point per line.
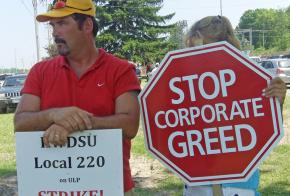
67	35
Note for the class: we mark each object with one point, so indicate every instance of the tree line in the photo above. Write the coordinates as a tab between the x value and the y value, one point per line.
134	30
269	30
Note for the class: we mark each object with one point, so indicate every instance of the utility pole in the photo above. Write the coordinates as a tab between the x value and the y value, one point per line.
34	3
249	31
221	7
263	39
251	36
15	60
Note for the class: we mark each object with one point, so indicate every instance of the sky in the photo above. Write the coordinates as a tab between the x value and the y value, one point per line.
17	34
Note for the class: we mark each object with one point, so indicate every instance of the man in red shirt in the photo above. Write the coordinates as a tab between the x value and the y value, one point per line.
82	88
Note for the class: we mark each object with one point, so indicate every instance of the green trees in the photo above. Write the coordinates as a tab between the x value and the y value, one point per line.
133	29
270	28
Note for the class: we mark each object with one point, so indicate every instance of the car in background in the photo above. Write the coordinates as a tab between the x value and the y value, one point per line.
10	92
2	78
286	56
279	56
256	59
278	67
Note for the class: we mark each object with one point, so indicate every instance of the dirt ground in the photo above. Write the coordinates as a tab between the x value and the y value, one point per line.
8	186
146	172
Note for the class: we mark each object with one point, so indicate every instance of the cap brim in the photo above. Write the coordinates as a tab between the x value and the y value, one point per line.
56	13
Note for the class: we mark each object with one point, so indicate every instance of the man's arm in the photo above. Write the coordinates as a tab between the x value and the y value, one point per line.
126	116
28	116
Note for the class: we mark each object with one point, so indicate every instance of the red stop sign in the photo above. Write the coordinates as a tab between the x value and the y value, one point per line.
204	116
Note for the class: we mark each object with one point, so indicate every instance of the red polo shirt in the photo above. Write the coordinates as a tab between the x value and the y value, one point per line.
57	85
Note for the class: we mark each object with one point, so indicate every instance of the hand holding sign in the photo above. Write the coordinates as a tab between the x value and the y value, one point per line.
55	135
277	88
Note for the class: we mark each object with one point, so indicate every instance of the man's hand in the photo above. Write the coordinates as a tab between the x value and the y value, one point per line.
276	88
55	135
72	118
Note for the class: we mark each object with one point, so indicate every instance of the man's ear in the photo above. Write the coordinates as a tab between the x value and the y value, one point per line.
88	25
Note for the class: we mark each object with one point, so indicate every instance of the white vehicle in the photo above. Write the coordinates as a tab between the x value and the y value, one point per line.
278	67
10	92
256	58
2	78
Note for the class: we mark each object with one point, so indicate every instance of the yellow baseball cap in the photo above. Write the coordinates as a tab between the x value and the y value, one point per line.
62	8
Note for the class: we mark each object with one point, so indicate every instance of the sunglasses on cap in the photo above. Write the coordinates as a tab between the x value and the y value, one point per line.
62	4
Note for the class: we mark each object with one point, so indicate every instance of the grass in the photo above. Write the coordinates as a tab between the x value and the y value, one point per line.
7	145
138	144
170	185
286	108
275	178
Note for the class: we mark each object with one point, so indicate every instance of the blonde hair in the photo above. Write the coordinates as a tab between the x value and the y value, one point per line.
212	29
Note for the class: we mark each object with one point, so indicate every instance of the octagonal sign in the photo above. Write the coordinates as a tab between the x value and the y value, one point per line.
204	115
